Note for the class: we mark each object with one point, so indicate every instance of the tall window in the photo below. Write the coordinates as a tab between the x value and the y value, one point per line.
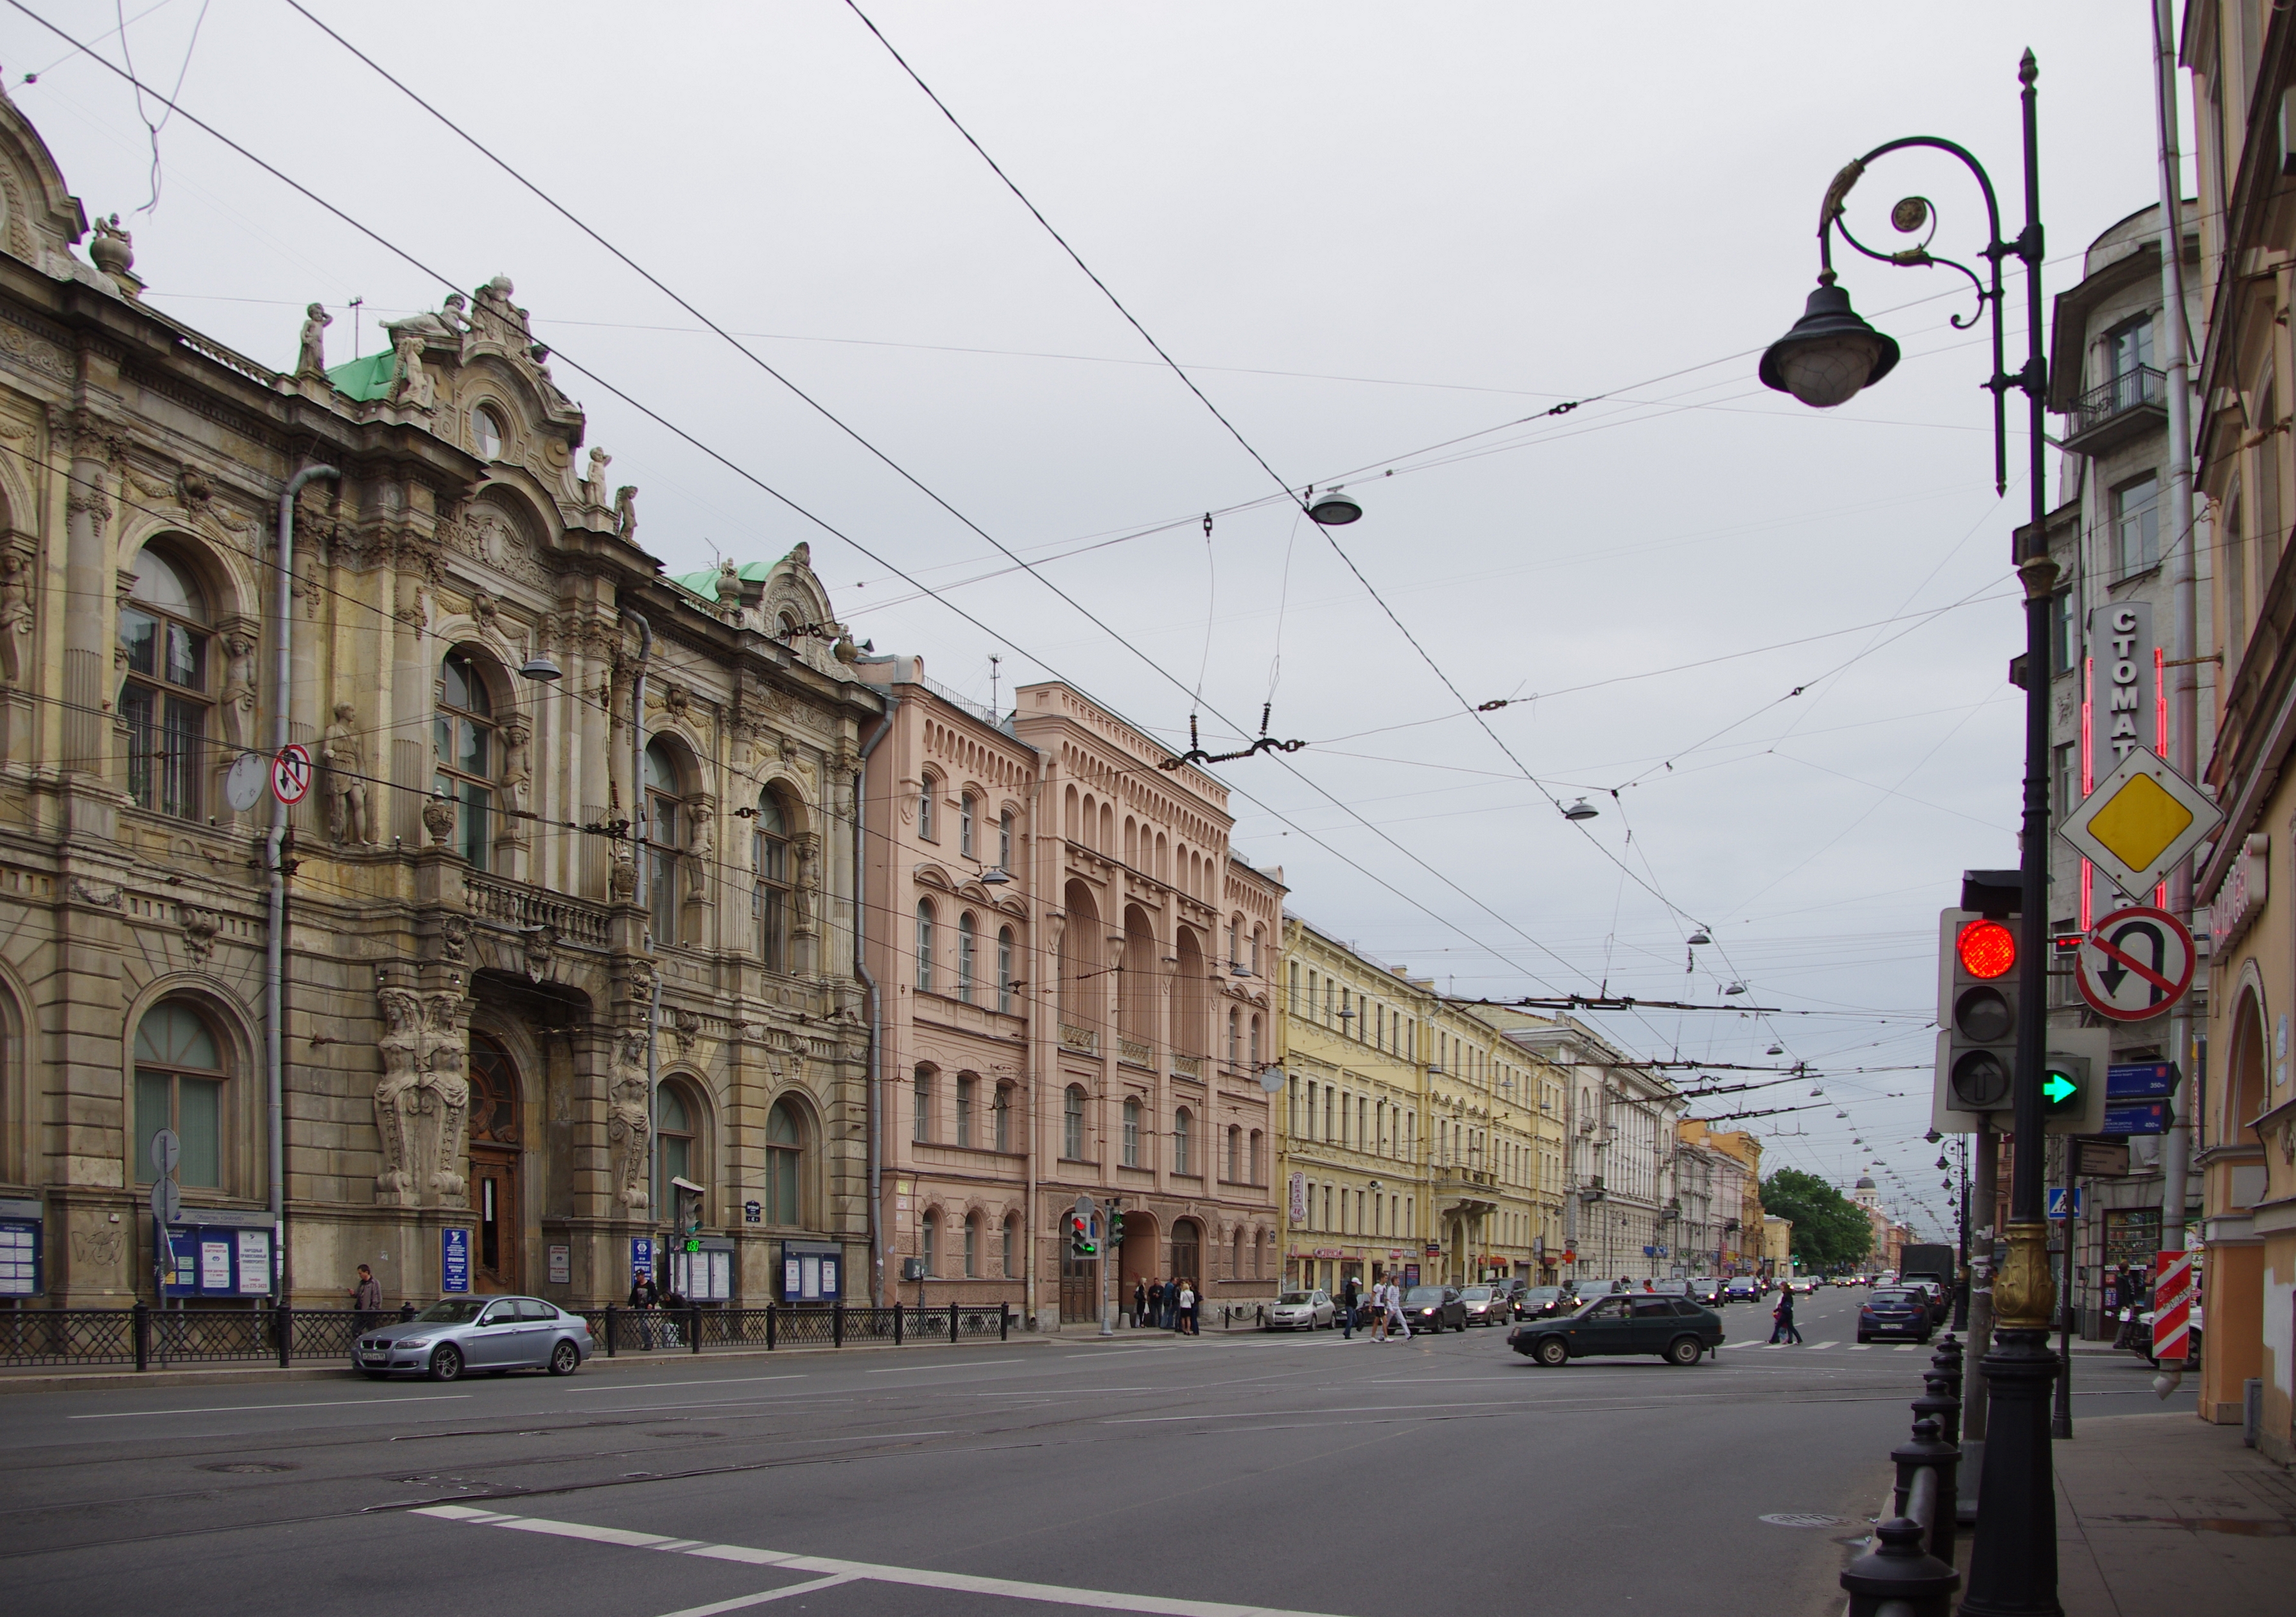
1254	1146
926	827
665	833
972	1245
2236	581
2137	524
675	1129
784	1151
965	941
925	945
1000	1118
463	739
1292	1003
163	641
769	902
930	1241
965	814
1181	1127
921	1095
487	434
1004	969
1235	1151
966	1085
1012	1248
2127	356
1255	1041
1005	841
1072	1124
1132	1133
1234	1036
179	1080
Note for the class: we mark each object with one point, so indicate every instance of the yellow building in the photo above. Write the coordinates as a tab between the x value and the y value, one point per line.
1413	1140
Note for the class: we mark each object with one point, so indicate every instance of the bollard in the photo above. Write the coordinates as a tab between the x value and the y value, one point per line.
610	1332
773	1318
1003	1322
952	1325
1898	1579
143	1336
693	1325
897	1324
283	1321
837	1325
1928	1451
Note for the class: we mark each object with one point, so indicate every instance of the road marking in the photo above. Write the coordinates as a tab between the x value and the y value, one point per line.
714	1380
1163	1606
716	1607
1772	1347
967	1365
1150	1420
1907	1347
332	1403
1863	1347
1111	1352
1834	1343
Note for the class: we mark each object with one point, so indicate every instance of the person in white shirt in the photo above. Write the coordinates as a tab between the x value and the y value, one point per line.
1395	1317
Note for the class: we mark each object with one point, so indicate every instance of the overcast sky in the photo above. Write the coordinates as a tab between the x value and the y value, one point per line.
1365	230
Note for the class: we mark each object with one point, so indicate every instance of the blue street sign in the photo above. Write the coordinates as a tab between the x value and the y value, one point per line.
2057	1197
641	1257
454	1259
2141	1082
2136	1117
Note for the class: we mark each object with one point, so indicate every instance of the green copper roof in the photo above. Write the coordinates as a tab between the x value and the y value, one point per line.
364	378
705	584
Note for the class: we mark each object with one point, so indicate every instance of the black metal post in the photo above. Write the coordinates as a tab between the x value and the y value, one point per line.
143	1336
1005	1322
772	1318
2060	1410
952	1323
897	1322
693	1326
837	1323
1961	1292
283	1321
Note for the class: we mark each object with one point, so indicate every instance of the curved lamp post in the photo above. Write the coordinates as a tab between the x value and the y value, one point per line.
1829	356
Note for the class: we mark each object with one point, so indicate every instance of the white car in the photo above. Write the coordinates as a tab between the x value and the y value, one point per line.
1802	1285
1302	1311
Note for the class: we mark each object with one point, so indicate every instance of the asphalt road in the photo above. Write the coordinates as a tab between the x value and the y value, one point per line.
1199	1477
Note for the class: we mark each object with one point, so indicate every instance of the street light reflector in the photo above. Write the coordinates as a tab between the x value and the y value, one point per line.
1830	354
1700	936
1332	508
1580	810
994	876
541	668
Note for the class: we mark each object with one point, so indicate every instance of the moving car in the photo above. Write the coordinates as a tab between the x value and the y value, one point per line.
1900	1311
1802	1286
1543	1302
1706	1292
1743	1288
496	1334
1675	1328
1668	1288
1302	1311
1432	1308
1482	1304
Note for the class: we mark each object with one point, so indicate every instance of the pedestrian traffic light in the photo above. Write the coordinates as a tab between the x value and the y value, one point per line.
1116	1226
688	1216
1977	1017
1080	1241
2072	1080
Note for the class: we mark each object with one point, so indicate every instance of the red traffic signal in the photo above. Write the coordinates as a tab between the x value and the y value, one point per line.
1988	949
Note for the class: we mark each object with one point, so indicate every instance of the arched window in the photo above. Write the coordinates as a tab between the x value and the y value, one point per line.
179	1085
1257	933
1254	1144
486	433
769	903
965	816
465	748
1258	1252
664	834
1004	969
1072	1124
965	940
972	1245
1000	1118
927	791
678	1153
967	1087
1234	1152
1235	1262
163	642
1234	1036
784	1154
922	1095
1011	1246
925	945
1183	1127
929	1241
1131	1133
1255	1040
1005	841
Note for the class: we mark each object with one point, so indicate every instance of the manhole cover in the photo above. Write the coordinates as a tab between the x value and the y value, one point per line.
1802	1518
250	1467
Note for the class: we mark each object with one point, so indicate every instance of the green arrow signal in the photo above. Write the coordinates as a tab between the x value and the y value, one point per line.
2057	1089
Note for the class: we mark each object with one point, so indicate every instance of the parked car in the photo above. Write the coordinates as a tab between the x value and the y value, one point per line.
1675	1328
496	1334
1900	1311
1542	1302
1706	1292
1940	1303
1432	1308
1302	1311
1482	1304
1742	1288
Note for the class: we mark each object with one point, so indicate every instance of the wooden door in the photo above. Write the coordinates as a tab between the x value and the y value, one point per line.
494	1203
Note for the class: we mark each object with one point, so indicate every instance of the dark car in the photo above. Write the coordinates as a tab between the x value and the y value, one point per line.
1935	1294
1675	1328
1901	1311
1433	1309
1742	1288
1542	1302
1706	1293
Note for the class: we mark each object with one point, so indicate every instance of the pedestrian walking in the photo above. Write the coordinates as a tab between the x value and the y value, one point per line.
1348	1309
366	1298
1379	1310
1785	1330
1396	1321
644	1297
1139	1304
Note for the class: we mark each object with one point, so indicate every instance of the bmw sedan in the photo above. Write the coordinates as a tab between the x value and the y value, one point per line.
1675	1328
1301	1312
1434	1310
496	1334
1902	1312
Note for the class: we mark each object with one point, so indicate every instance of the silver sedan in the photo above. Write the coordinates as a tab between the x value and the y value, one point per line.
1301	1312
496	1334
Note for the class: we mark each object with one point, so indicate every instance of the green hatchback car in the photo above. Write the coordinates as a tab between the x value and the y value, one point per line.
1675	1328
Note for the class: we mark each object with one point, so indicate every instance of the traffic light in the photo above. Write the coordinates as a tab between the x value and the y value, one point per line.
1116	1226
688	1215
1977	1017
1081	1242
2073	1080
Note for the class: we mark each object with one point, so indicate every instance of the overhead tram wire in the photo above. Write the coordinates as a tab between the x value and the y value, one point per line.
826	526
1091	617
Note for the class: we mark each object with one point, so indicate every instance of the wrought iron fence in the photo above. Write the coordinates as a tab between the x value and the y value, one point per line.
68	1336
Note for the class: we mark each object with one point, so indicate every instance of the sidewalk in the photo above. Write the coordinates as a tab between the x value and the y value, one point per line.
2162	1512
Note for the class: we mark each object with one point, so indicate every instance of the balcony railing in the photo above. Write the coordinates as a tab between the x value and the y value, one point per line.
1083	1041
2117	410
1188	1066
514	904
1135	1052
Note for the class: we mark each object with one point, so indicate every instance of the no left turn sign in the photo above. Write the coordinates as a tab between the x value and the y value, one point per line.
291	772
2134	963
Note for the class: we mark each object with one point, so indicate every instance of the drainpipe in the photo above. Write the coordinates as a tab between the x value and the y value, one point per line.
275	990
876	1078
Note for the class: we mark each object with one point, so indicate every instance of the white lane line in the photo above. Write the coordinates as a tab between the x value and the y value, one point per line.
736	1604
1834	1343
1908	1347
967	1365
714	1380
1152	1420
1162	1605
332	1403
1771	1347
1863	1347
1111	1353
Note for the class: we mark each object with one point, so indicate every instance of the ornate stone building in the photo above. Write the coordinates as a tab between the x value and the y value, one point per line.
506	1024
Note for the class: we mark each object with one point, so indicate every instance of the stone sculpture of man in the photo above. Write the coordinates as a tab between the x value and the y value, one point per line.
396	1097
629	1120
15	616
700	845
238	690
594	484
345	756
626	513
412	390
446	1094
313	359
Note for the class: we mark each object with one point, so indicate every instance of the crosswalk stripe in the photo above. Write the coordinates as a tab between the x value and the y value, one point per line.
1834	1343
1863	1347
1907	1347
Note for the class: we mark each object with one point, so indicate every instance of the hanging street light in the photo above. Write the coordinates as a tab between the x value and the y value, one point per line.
1581	811
1332	508
1830	354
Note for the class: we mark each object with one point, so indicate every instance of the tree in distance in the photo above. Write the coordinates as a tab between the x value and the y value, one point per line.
1828	1229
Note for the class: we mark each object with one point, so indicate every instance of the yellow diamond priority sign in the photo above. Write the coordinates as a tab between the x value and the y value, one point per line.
2140	821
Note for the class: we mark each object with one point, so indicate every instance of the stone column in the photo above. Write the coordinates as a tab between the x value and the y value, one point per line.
88	585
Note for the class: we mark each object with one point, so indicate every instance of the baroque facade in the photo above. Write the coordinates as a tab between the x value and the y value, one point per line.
527	1014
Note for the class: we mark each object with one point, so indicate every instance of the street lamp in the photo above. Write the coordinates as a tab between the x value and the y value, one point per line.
1828	356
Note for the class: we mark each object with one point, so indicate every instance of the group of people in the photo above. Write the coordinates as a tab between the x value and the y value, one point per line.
1165	1305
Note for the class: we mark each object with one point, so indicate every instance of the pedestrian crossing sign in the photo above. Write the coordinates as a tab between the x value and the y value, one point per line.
2142	819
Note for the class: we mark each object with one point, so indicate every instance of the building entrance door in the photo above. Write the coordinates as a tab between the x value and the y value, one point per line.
496	1153
1080	1284
1187	1261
